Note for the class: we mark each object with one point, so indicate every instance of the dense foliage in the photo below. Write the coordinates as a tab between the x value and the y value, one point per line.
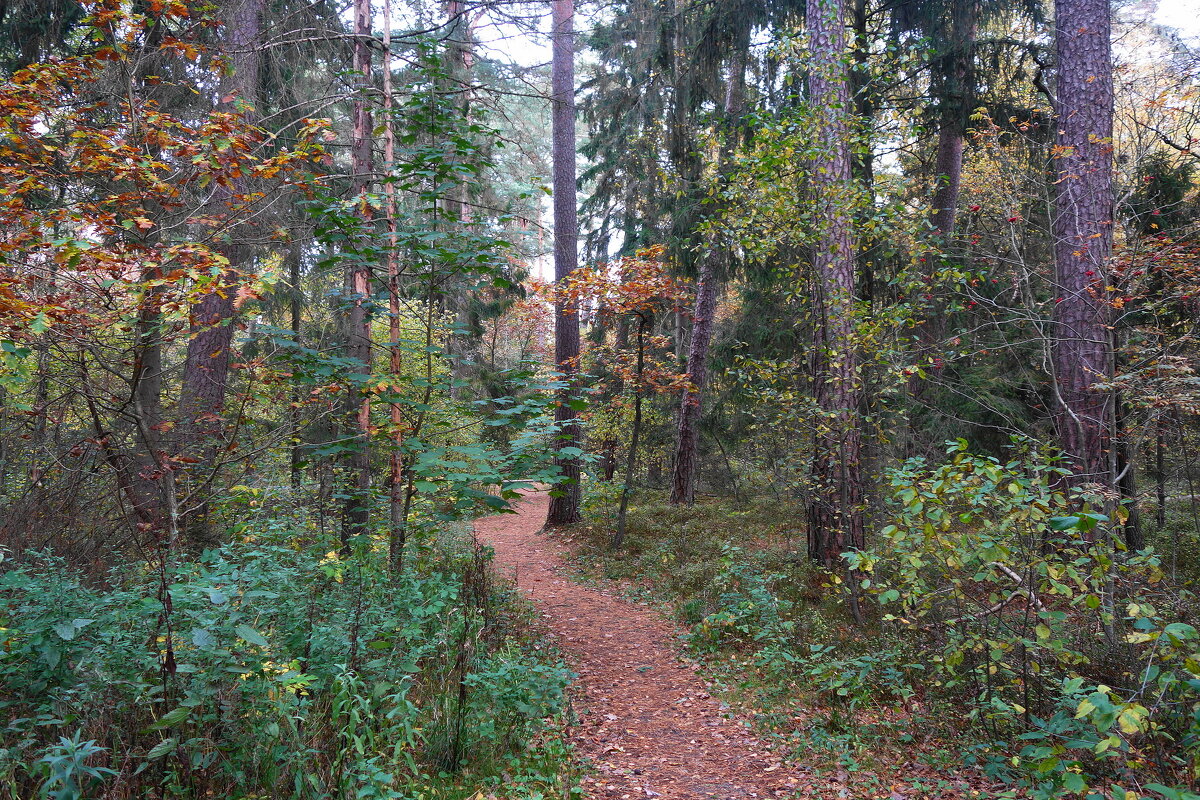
870	349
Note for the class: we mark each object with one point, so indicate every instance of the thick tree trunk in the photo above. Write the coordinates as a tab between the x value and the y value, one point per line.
1084	416
947	170
356	512
564	508
835	507
206	366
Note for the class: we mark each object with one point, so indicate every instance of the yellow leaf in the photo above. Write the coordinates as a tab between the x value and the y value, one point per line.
1085	707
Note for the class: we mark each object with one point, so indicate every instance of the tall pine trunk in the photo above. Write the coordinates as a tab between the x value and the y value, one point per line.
564	506
356	512
687	439
463	344
835	507
206	365
955	80
1084	416
635	437
398	495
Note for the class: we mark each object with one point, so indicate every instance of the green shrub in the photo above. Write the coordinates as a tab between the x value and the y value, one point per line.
1038	620
263	671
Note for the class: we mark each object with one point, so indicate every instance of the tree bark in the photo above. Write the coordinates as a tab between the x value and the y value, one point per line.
399	499
295	415
687	439
564	507
1160	476
954	95
635	437
683	472
206	364
953	79
1084	416
835	507
462	346
356	512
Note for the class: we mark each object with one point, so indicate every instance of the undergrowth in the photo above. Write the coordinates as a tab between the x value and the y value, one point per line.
1004	638
278	667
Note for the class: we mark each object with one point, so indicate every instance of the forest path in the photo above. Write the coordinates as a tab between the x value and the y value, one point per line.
646	719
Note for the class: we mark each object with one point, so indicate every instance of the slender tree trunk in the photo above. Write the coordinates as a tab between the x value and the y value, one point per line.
1084	416
147	489
953	85
463	343
835	508
564	507
635	436
398	500
608	460
1160	476
148	503
1127	481
206	365
356	512
683	471
294	413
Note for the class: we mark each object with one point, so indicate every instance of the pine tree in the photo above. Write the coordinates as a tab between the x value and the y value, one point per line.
835	508
206	364
564	506
357	511
1084	413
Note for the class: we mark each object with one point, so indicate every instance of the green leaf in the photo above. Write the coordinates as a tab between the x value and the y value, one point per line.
172	718
248	634
1074	782
68	630
162	748
1180	631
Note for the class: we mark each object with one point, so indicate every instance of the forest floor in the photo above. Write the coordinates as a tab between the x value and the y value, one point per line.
645	717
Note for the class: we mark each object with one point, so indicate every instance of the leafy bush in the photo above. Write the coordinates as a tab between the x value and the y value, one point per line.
1040	622
264	671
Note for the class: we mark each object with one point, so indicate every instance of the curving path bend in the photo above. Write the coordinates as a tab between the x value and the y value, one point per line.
646	720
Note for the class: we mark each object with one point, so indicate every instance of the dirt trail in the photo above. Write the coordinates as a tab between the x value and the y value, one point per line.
646	720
